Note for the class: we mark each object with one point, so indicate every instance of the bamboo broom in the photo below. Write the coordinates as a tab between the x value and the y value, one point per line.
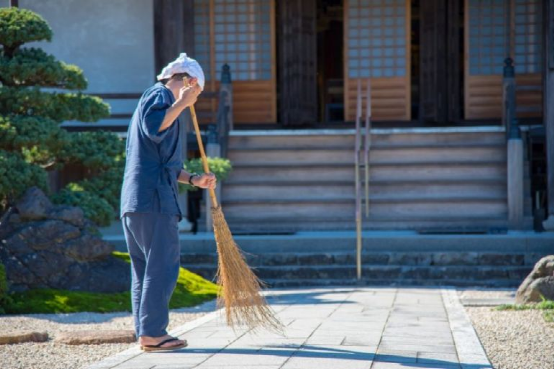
240	287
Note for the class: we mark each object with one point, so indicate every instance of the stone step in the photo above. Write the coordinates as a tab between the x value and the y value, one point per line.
377	189
346	138
377	155
293	171
451	224
468	207
448	225
371	258
379	272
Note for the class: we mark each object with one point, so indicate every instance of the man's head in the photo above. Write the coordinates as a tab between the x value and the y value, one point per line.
181	67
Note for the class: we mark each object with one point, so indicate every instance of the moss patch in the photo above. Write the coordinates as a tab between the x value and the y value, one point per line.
546	305
191	290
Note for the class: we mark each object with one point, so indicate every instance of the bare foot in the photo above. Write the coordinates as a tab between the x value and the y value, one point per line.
146	340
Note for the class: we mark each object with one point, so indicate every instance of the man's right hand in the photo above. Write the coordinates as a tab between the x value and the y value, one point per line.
189	95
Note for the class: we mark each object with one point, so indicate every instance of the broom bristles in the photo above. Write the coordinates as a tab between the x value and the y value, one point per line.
240	287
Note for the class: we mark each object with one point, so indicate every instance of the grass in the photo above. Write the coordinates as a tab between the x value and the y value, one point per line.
191	290
546	305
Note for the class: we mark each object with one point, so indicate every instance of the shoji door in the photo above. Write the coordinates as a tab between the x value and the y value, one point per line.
377	46
240	33
487	44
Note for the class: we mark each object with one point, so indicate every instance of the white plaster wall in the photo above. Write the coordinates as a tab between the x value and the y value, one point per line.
111	40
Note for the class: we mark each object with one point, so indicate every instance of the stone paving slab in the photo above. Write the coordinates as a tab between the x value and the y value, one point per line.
331	328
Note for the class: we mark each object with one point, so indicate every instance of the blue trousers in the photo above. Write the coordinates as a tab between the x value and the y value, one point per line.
153	244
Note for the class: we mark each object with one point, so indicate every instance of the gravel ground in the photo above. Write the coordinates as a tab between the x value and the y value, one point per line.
513	339
51	355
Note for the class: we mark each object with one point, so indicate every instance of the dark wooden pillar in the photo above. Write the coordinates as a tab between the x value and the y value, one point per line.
174	34
439	80
173	30
548	107
297	62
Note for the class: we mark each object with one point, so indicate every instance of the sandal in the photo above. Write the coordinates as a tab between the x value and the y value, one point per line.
159	347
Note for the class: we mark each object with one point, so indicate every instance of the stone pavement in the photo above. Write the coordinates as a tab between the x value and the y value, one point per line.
331	328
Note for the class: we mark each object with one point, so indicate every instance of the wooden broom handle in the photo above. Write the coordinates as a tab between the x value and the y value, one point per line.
201	147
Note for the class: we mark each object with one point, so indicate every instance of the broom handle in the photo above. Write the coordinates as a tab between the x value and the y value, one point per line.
202	153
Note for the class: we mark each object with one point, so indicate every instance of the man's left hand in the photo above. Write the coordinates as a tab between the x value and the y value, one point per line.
205	180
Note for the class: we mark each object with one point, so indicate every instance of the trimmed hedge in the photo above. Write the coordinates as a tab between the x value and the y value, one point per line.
19	26
34	67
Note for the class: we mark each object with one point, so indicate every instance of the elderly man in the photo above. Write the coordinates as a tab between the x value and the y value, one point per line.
150	210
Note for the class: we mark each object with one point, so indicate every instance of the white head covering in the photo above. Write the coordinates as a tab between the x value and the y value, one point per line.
183	64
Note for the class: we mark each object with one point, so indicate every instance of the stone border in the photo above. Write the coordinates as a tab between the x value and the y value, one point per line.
471	353
120	358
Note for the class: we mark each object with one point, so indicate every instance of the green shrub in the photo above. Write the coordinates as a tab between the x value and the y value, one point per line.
219	166
17	175
107	185
94	207
4	298
95	150
38	139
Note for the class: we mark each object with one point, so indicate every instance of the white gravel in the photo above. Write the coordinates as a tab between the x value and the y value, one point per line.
513	339
51	355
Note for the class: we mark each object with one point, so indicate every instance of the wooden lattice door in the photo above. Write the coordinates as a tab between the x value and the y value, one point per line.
440	61
297	62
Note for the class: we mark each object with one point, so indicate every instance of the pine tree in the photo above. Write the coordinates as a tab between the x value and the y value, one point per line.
37	94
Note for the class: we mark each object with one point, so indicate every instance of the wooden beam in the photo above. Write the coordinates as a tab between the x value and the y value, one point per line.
173	30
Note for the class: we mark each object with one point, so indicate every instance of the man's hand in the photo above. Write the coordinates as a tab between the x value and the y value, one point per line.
205	180
189	94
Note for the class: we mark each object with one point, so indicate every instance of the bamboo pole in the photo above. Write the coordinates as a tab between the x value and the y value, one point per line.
358	187
367	142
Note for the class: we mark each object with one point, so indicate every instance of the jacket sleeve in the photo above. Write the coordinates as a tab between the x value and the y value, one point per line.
154	110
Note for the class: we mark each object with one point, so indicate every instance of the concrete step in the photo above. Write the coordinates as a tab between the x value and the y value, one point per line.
284	189
261	139
294	171
379	154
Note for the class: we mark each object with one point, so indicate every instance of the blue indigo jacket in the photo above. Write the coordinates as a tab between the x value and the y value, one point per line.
154	159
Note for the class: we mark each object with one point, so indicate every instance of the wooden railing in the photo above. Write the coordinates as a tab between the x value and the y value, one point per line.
357	151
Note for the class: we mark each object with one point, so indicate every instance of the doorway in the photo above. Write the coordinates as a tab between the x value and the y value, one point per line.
330	42
440	46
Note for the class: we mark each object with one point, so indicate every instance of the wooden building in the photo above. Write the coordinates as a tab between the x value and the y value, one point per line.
428	61
432	63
